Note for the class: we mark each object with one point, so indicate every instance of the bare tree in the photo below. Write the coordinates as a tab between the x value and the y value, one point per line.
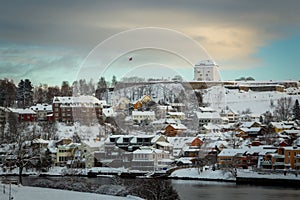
21	154
283	109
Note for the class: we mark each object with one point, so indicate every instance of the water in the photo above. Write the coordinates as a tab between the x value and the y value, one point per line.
195	190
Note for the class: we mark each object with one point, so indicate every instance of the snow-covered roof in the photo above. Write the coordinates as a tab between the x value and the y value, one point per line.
143	113
208	115
248	124
78	100
281	125
207	109
180	142
231	152
164	144
176	113
93	143
206	63
41	107
22	111
178	126
252	129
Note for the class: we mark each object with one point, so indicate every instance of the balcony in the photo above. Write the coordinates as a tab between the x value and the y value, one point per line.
278	156
266	162
279	164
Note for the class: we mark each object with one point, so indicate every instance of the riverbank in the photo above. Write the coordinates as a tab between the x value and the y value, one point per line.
24	192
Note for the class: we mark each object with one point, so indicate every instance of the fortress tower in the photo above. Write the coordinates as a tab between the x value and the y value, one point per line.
206	70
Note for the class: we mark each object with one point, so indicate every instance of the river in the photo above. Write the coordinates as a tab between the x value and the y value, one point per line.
195	190
191	189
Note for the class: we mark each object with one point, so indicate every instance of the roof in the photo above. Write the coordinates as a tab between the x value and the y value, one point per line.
207	109
22	111
253	129
231	152
41	107
180	142
164	144
208	115
176	113
144	113
79	100
178	126
206	63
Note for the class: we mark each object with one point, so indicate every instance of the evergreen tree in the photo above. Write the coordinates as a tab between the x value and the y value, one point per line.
66	90
114	81
24	93
101	91
51	93
296	110
7	93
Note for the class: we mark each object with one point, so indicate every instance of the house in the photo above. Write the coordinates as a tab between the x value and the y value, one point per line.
205	118
150	159
88	148
231	158
278	127
180	144
251	132
84	109
283	158
176	115
68	155
24	115
231	115
172	130
142	102
162	123
43	111
143	116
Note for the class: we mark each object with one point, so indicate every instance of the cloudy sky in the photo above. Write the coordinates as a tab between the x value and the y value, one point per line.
47	41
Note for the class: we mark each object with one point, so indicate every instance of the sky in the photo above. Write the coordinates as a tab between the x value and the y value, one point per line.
50	41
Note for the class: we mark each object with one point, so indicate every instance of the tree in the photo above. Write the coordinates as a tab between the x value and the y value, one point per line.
24	93
21	153
283	109
114	81
7	93
66	90
101	91
296	110
51	93
40	93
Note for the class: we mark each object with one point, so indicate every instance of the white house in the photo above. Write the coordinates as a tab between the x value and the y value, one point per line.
150	159
206	70
139	116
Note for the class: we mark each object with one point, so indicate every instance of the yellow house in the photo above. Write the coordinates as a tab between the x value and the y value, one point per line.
66	153
280	126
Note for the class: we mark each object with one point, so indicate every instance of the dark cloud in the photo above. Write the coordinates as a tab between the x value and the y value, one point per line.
223	26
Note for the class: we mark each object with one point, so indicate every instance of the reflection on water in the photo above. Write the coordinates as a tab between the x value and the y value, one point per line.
195	190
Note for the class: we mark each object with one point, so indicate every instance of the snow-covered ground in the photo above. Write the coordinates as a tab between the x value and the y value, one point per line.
258	102
25	193
266	175
209	174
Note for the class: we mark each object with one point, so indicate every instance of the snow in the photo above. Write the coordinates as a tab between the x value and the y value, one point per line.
25	193
267	175
41	107
258	102
195	173
22	111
